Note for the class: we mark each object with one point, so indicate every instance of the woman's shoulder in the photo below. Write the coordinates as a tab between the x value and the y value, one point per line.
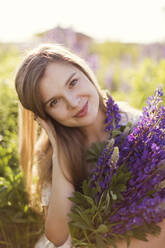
128	113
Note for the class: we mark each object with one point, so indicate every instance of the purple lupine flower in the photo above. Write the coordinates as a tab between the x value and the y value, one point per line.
143	151
103	166
113	115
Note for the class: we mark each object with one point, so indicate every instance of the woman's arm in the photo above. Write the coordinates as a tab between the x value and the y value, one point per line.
56	221
56	224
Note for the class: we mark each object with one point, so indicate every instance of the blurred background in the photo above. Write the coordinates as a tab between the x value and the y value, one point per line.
122	41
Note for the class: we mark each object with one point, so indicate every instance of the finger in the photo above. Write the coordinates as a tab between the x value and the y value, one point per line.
36	118
39	121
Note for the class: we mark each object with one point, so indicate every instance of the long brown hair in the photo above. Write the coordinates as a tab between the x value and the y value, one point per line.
35	147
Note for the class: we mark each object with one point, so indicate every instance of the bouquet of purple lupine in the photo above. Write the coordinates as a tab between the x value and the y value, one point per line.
125	195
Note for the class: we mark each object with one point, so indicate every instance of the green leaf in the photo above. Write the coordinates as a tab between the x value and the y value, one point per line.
102	229
74	199
101	199
78	221
83	226
93	153
140	235
85	187
114	196
78	198
89	200
98	188
108	200
115	133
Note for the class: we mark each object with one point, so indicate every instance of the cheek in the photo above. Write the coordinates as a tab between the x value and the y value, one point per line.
58	114
95	95
62	116
92	89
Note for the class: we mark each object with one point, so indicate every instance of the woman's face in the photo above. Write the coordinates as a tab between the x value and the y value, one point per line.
68	95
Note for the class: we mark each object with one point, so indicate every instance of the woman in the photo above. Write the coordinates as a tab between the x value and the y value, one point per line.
61	90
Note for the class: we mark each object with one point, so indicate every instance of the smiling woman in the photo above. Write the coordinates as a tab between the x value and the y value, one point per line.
72	123
62	92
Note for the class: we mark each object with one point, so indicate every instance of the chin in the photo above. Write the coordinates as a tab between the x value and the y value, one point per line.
89	120
85	121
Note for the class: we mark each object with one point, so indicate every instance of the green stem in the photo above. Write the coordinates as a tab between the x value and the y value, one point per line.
86	237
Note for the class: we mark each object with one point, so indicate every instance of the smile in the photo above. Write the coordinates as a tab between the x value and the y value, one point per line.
83	111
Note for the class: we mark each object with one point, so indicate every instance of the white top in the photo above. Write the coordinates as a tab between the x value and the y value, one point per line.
131	116
46	192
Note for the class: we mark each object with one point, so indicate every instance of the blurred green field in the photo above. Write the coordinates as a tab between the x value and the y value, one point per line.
130	72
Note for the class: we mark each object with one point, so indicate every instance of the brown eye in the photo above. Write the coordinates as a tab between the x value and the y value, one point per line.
54	102
73	82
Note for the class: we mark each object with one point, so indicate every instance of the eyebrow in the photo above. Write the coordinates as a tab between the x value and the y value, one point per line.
68	80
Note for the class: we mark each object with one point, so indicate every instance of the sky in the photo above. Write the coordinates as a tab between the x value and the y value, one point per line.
141	21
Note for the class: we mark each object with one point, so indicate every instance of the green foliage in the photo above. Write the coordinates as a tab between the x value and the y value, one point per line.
93	152
89	217
132	75
111	56
144	80
138	82
9	59
113	51
8	128
20	226
15	213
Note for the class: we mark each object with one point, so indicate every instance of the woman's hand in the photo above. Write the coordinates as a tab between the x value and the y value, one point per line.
49	129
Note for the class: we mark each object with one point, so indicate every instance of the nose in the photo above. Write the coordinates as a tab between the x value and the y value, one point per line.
73	101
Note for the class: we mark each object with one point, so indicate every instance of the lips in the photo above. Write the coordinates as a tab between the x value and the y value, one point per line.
83	111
